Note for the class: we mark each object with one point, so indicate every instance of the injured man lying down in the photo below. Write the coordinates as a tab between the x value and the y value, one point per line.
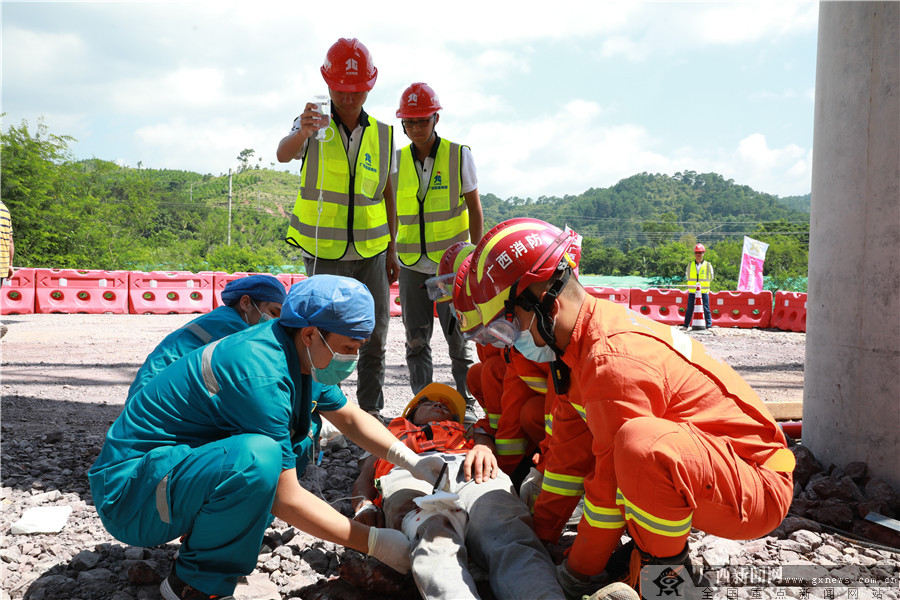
470	514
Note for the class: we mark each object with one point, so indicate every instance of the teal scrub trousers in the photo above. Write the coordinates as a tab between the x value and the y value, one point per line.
219	497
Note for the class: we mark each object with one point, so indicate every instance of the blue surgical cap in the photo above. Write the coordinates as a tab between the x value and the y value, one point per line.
261	288
331	303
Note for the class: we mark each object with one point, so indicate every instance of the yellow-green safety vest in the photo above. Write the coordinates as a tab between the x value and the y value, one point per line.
351	208
702	274
433	219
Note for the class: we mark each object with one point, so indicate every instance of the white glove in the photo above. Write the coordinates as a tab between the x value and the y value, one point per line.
426	468
390	547
531	487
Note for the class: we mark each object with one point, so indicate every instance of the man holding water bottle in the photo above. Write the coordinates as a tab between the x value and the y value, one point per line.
344	219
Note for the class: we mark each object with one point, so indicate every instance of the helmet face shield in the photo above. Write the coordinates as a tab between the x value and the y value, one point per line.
440	287
503	330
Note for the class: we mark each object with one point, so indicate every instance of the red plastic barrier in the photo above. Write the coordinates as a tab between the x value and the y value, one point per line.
17	293
395	299
618	295
741	309
220	280
72	291
789	313
295	277
170	292
664	306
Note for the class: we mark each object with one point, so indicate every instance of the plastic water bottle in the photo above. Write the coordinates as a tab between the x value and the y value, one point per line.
323	107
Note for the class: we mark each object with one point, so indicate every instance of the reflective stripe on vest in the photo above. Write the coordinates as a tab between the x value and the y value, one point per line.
430	223
702	276
352	207
563	485
649	522
603	517
209	378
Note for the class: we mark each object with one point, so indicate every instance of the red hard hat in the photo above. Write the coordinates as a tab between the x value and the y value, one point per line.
440	287
463	304
418	100
515	254
699	248
348	67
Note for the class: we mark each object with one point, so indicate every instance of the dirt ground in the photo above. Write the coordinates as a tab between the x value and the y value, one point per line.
74	370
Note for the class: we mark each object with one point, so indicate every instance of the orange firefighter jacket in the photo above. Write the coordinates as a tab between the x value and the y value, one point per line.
626	366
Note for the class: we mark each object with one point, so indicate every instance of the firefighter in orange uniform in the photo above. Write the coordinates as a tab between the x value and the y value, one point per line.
678	439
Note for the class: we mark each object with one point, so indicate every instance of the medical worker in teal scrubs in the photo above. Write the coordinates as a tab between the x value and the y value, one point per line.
247	301
205	449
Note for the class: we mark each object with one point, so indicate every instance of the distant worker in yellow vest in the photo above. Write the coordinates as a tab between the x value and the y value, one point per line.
437	206
344	219
7	249
702	271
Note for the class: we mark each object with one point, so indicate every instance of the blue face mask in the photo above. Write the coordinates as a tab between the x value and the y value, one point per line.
541	354
263	317
339	369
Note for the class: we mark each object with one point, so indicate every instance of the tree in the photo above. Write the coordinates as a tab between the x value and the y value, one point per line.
244	158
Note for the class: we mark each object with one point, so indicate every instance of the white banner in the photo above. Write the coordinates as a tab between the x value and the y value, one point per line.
752	259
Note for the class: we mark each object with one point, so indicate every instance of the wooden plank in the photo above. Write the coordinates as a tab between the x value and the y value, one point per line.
786	411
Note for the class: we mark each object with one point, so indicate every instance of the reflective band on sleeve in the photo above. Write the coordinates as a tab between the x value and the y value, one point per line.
563	485
538	384
603	517
209	378
494	419
653	524
162	505
510	447
201	333
580	410
548	423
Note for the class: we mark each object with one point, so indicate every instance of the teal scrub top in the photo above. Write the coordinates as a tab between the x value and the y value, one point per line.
212	326
248	382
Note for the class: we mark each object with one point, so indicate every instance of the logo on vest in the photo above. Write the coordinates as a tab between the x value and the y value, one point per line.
438	182
351	66
367	163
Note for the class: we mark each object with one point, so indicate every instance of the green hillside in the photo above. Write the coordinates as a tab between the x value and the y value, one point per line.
95	214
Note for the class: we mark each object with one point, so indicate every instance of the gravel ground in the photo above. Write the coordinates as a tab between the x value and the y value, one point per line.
64	380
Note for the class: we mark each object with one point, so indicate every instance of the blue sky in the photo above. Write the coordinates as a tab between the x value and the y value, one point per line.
553	98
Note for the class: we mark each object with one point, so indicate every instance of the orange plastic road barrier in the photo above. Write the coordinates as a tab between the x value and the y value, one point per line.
664	306
170	292
73	291
17	293
618	295
220	280
741	309
789	313
395	300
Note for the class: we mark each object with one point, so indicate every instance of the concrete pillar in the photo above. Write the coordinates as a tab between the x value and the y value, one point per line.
851	395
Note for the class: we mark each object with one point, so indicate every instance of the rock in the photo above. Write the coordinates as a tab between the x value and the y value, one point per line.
316	559
143	573
85	560
806	464
257	587
808	539
369	574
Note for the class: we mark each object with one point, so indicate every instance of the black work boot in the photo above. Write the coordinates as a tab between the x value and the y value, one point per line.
663	576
